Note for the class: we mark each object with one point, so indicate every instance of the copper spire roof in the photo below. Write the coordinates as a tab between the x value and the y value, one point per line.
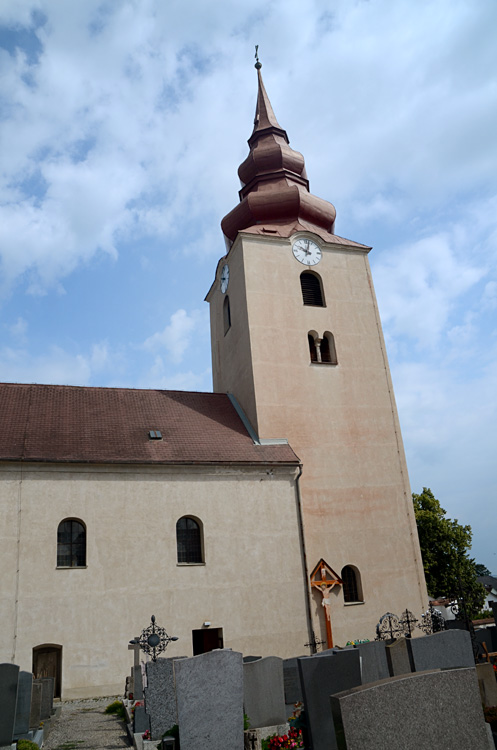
275	189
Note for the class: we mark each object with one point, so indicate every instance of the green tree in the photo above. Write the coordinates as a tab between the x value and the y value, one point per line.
444	548
482	570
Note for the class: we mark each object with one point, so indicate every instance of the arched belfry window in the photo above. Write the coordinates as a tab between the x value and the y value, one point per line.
226	314
312	347
312	290
352	589
189	540
71	544
328	350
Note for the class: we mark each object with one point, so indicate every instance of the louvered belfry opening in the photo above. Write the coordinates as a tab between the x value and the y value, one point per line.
312	293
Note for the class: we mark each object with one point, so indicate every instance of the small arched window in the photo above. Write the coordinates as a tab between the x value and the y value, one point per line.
226	314
71	544
352	590
312	347
189	540
328	350
312	290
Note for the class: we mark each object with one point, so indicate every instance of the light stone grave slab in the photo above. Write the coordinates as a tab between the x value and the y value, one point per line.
444	650
401	712
23	709
321	676
487	684
209	691
263	692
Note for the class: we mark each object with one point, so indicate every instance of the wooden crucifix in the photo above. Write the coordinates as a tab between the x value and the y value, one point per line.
324	578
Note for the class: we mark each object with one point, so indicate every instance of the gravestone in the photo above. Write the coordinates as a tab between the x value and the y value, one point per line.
9	675
444	650
251	658
160	696
487	684
439	709
263	692
47	689
138	683
398	657
209	691
291	682
321	676
374	665
35	712
23	708
141	720
487	636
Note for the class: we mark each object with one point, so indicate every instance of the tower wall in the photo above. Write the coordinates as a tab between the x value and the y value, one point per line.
341	420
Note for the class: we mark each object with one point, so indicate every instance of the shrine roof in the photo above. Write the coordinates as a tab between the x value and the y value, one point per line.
58	423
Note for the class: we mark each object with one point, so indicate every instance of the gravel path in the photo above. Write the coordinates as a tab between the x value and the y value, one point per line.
82	725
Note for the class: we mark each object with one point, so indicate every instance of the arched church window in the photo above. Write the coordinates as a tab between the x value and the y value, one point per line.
352	590
312	347
226	314
328	350
71	544
189	540
312	290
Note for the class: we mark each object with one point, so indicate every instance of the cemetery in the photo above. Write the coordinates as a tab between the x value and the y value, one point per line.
380	695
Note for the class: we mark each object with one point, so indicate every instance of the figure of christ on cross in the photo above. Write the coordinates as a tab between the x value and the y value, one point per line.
324	586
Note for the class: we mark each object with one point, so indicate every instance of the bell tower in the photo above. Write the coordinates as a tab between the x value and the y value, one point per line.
297	339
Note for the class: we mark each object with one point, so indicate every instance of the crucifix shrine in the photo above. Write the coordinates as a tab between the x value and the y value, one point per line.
324	578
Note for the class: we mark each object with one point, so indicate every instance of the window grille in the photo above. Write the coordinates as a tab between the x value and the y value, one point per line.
71	544
188	541
312	293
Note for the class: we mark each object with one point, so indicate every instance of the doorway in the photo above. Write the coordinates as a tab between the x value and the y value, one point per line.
47	662
206	639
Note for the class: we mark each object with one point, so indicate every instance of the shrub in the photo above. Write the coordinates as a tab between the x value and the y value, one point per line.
116	708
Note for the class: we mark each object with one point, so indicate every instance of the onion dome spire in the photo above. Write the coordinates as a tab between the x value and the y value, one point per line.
275	193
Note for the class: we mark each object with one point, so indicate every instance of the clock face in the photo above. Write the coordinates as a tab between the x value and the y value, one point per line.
225	277
306	251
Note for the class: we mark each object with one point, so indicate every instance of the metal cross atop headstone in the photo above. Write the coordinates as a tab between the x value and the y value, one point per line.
153	640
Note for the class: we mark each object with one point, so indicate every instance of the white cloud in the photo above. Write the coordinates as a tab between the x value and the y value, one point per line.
178	335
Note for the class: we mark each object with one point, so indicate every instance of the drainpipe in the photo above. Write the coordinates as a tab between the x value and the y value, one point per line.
310	628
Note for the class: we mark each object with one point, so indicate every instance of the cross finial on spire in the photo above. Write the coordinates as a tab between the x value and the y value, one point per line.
258	64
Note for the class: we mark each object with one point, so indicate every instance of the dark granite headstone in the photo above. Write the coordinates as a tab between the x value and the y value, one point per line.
291	681
439	709
23	709
374	665
141	720
444	650
160	696
35	712
137	683
209	690
321	677
263	692
251	658
47	689
398	657
9	675
487	636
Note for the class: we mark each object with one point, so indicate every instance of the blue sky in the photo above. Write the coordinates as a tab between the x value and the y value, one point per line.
122	127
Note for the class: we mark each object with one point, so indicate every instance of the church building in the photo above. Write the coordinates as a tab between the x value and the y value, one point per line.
267	516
